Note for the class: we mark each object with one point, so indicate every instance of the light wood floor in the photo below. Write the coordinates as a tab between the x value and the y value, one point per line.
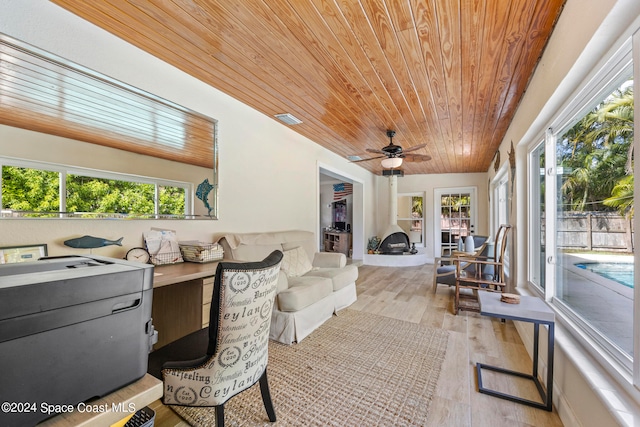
405	293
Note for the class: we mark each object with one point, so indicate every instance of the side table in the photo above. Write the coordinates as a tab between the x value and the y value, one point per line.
533	310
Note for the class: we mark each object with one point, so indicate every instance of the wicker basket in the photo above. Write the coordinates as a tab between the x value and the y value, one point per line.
201	252
166	258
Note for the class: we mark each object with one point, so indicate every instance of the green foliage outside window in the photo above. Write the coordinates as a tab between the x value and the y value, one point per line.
26	189
597	157
87	194
171	200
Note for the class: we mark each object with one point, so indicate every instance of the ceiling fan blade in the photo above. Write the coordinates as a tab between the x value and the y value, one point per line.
414	148
365	160
371	150
417	157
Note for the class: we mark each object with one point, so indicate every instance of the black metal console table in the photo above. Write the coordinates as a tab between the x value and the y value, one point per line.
533	310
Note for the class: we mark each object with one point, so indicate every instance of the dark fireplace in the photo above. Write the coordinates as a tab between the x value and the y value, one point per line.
395	243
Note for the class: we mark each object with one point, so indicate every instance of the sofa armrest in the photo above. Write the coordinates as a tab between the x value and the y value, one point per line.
283	282
329	260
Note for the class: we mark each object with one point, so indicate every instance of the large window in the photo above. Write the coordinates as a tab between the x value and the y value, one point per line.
594	204
30	189
581	210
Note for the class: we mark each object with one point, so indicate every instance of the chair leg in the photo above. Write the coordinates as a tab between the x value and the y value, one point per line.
266	397
219	415
456	302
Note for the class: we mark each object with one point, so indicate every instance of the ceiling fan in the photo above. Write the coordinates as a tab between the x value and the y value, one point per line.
393	155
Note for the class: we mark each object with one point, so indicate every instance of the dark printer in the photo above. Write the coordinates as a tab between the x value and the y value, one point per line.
71	329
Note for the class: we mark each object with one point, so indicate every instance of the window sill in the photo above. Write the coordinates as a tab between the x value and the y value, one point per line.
611	383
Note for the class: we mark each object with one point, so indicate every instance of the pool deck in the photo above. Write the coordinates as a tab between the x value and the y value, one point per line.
607	304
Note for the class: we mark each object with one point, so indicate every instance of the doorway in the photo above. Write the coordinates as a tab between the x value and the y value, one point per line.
328	217
455	217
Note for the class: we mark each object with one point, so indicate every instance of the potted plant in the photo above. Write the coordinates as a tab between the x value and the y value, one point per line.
373	244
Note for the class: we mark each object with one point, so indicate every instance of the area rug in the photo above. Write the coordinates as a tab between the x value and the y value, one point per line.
357	369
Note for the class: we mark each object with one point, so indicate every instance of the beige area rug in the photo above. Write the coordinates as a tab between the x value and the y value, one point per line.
357	369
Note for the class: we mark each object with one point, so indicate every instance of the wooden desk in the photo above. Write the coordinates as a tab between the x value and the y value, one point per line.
117	405
533	310
181	299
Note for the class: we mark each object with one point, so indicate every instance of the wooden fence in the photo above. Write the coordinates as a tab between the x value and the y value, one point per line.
594	231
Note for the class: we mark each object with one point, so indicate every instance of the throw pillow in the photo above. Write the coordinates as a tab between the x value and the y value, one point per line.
295	262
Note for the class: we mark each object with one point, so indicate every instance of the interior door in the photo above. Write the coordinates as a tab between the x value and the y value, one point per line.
456	214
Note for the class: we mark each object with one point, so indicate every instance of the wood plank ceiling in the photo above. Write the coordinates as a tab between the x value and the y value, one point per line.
445	73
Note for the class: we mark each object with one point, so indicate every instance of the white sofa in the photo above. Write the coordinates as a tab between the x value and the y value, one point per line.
304	299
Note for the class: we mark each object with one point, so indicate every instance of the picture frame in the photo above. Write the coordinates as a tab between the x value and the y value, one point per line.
14	254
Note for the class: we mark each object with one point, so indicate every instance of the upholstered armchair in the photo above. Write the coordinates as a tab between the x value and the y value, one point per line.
238	337
444	270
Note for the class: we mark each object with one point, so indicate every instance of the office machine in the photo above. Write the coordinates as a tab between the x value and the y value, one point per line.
71	329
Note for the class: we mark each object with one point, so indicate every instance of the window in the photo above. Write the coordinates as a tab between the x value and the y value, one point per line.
410	217
30	190
500	209
594	202
581	208
41	190
500	200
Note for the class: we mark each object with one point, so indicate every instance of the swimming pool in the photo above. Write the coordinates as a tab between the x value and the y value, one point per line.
621	272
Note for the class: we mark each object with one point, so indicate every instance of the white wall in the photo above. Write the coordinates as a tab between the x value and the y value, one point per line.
268	174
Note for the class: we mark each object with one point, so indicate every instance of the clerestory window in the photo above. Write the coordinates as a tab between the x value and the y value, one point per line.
33	189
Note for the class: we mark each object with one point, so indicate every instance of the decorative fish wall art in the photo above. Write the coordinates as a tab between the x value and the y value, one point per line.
202	193
90	242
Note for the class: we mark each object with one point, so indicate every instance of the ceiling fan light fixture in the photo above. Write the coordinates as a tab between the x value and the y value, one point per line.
288	119
392	162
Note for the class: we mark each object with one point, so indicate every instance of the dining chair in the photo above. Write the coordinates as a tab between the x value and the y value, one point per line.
444	270
238	341
480	273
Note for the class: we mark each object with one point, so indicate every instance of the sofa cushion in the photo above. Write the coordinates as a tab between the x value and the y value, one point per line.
295	262
286	239
340	277
329	260
302	292
254	252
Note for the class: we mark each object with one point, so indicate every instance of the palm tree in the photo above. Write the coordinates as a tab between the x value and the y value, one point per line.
616	117
598	152
622	197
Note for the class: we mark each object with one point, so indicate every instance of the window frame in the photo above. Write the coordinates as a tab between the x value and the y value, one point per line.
64	170
500	180
615	66
535	222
